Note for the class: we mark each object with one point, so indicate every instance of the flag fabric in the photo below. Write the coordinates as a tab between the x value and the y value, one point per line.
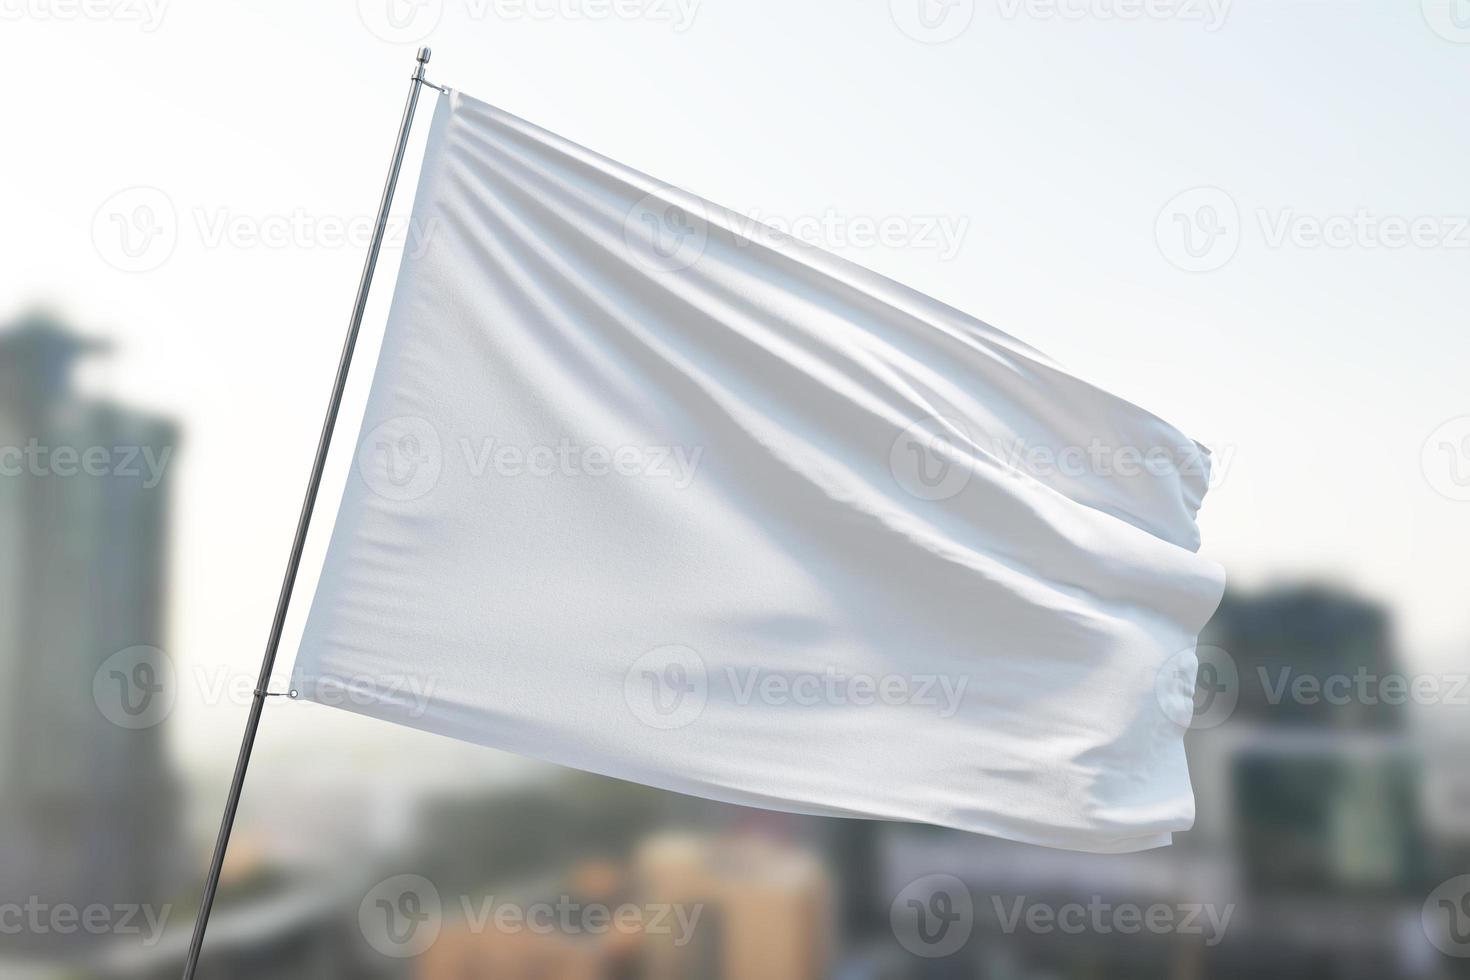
651	491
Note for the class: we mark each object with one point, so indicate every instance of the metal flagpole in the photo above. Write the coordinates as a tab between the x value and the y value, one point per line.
303	523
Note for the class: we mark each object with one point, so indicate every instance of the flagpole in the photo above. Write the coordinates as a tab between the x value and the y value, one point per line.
303	522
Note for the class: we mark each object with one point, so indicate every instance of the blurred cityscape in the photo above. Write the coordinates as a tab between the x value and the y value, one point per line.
1332	786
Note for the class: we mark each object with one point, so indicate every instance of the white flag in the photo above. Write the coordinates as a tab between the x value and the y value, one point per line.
646	489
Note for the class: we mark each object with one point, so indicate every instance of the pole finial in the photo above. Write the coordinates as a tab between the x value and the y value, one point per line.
424	54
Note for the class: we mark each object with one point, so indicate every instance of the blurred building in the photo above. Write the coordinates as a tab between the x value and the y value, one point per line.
89	807
1285	637
706	906
766	908
1324	779
1315	786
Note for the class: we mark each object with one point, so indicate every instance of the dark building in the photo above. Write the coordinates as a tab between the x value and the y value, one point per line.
1306	655
88	812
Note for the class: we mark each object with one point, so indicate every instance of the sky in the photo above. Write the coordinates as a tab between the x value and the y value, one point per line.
1249	217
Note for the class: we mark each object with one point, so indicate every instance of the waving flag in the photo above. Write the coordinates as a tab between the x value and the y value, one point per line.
648	491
